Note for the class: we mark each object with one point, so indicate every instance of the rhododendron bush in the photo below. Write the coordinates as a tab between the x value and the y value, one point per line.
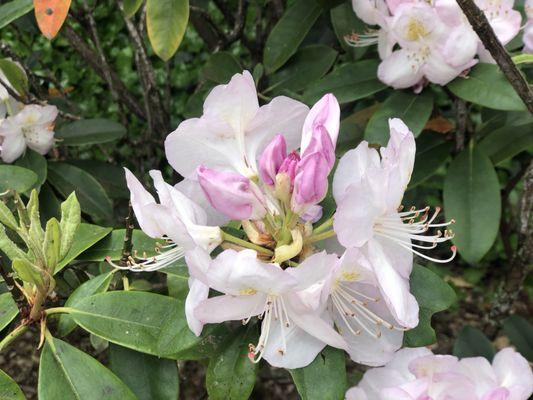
316	199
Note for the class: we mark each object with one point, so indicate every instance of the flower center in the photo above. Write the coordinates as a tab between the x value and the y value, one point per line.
416	30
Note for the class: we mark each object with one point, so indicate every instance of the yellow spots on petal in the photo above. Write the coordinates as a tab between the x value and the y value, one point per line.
349	276
247	292
416	30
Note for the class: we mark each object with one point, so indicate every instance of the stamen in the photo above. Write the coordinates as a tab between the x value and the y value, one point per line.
153	263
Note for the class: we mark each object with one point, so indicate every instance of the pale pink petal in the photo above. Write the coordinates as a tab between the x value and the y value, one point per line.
314	269
12	147
325	113
198	292
356	393
271	159
229	308
514	373
401	69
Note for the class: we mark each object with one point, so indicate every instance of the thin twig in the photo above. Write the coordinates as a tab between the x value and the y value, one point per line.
482	27
128	238
16	293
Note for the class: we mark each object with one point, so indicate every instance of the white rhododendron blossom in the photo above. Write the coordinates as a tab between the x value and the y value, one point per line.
266	169
31	127
421	42
418	374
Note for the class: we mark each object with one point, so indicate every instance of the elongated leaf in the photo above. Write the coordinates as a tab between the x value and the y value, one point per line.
166	21
11	249
487	86
68	373
520	333
9	390
471	342
307	66
16	178
131	7
289	32
432	151
27	271
472	198
507	141
91	195
70	222
36	163
221	67
98	284
90	131
230	374
350	82
52	243
111	177
86	235
6	217
324	378
14	75
149	377
413	109
8	310
14	9
433	295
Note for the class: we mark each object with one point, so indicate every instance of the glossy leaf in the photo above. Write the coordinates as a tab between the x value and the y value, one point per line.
111	177
98	284
288	33
499	146
433	295
131	7
178	286
471	342
8	310
70	222
350	82
68	373
14	9
307	66
231	374
166	21
486	85
90	131
413	109
149	377
67	178
36	163
520	333
9	390
472	198
50	15
324	378
16	178
221	67
15	75
432	151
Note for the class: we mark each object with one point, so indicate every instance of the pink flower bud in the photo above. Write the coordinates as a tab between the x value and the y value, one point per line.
325	114
272	158
289	166
232	194
321	143
311	181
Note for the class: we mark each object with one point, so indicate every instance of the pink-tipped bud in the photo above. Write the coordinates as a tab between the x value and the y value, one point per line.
321	143
272	158
290	166
311	181
232	194
324	114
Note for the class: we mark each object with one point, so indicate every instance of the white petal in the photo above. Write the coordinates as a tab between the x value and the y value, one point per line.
402	69
325	112
513	373
40	139
438	71
13	147
356	393
229	308
198	292
313	269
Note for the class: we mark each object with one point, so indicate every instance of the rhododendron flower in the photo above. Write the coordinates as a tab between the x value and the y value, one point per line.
528	29
292	330
417	374
32	127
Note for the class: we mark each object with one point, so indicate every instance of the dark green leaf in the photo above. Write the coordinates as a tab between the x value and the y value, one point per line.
472	198
91	195
178	287
345	22
487	86
16	178
8	310
324	378
36	163
149	377
14	9
221	67
67	373
433	295
14	74
432	151
111	177
507	141
289	32
413	109
520	333
9	390
131	7
90	131
471	342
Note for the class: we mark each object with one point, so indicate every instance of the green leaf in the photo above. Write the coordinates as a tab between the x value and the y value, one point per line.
432	151
90	131
345	22
67	373
324	378
91	195
9	390
36	230
166	21
16	178
471	342
112	246
6	217
131	7
13	10
11	249
350	82
111	177
27	271
221	67
52	243
86	235
36	163
472	198
230	374
413	109
433	295
487	86
308	65
507	141
70	222
520	333
8	311
14	75
149	377
178	286
98	284
289	32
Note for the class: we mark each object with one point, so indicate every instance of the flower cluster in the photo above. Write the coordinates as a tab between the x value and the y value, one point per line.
310	279
23	126
418	374
421	41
